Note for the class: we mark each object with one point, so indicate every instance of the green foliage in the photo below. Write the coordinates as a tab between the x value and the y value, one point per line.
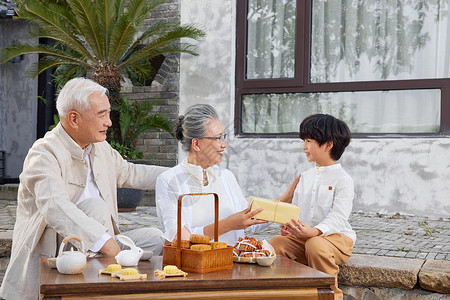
55	121
130	153
135	120
428	230
403	249
422	223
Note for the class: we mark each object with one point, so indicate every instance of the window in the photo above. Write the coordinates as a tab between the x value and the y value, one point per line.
382	66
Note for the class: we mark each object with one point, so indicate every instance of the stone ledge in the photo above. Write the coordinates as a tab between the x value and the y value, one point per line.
9	191
435	276
380	271
5	243
393	272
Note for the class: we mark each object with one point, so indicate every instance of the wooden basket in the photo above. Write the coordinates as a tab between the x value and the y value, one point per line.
199	261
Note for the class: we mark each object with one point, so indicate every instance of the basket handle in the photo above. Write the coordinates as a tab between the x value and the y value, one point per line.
216	221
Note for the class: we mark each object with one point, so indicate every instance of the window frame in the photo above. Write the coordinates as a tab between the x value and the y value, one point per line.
301	81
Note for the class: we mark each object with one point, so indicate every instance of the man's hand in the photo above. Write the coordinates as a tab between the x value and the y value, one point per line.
302	230
110	249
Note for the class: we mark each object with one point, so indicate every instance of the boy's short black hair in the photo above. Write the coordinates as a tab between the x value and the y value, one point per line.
325	128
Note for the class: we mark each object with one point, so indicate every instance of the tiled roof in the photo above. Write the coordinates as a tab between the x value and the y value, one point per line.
7	8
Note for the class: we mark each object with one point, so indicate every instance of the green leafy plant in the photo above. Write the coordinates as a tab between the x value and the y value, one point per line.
429	231
135	120
55	121
403	249
130	153
422	223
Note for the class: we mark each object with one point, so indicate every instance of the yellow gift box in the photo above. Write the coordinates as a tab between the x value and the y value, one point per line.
274	211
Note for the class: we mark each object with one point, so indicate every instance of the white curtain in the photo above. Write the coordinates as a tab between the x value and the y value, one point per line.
364	40
270	42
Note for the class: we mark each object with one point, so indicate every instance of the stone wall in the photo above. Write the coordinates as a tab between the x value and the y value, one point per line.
160	148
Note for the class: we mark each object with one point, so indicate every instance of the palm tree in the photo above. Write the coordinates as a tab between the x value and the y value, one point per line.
102	38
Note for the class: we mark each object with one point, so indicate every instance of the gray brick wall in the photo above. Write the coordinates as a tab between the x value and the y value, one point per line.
160	148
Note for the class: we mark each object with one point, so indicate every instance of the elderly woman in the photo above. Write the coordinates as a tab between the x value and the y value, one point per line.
202	135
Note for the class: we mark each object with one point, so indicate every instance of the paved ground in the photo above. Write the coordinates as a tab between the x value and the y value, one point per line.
383	235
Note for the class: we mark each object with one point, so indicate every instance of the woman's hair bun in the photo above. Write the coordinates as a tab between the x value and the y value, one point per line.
178	129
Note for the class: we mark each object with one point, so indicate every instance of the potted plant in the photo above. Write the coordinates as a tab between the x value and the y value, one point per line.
135	119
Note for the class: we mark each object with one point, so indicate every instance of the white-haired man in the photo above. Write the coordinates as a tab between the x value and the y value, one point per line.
68	186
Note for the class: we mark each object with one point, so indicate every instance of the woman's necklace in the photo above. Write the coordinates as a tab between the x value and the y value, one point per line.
203	182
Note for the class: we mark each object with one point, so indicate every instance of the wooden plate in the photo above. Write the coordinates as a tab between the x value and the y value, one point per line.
162	274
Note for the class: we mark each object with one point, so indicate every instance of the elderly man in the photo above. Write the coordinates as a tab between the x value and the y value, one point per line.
68	186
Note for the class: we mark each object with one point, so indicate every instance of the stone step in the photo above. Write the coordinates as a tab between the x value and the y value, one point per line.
393	272
435	276
9	191
5	243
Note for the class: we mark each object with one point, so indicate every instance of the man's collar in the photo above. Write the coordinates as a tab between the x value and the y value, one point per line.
68	142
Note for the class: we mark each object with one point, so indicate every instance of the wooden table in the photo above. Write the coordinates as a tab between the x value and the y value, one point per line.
284	279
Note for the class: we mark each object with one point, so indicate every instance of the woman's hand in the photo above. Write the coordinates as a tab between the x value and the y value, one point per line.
289	194
301	230
243	219
236	221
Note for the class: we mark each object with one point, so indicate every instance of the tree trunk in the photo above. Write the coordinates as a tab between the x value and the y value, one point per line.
109	77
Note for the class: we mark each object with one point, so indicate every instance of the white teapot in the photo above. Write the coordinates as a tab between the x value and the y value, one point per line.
131	257
71	262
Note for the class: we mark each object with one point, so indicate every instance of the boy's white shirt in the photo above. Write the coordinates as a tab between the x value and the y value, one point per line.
325	197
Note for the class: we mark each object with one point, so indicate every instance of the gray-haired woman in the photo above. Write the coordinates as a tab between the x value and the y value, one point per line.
202	135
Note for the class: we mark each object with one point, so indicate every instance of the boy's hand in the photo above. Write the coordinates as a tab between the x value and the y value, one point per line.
289	194
302	230
283	230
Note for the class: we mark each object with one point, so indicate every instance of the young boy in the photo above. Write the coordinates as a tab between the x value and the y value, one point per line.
321	238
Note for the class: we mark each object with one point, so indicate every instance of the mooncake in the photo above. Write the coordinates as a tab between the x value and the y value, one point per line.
200	247
184	244
129	271
170	269
218	245
199	239
114	268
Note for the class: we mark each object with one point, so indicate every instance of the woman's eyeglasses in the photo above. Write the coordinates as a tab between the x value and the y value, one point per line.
221	138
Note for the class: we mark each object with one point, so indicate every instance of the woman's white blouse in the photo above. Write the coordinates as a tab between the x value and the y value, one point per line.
198	211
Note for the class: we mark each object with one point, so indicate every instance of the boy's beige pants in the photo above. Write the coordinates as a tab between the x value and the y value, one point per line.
323	253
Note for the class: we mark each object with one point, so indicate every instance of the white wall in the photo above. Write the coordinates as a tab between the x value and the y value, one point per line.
391	175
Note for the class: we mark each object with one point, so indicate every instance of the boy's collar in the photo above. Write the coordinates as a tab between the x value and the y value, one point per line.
330	167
